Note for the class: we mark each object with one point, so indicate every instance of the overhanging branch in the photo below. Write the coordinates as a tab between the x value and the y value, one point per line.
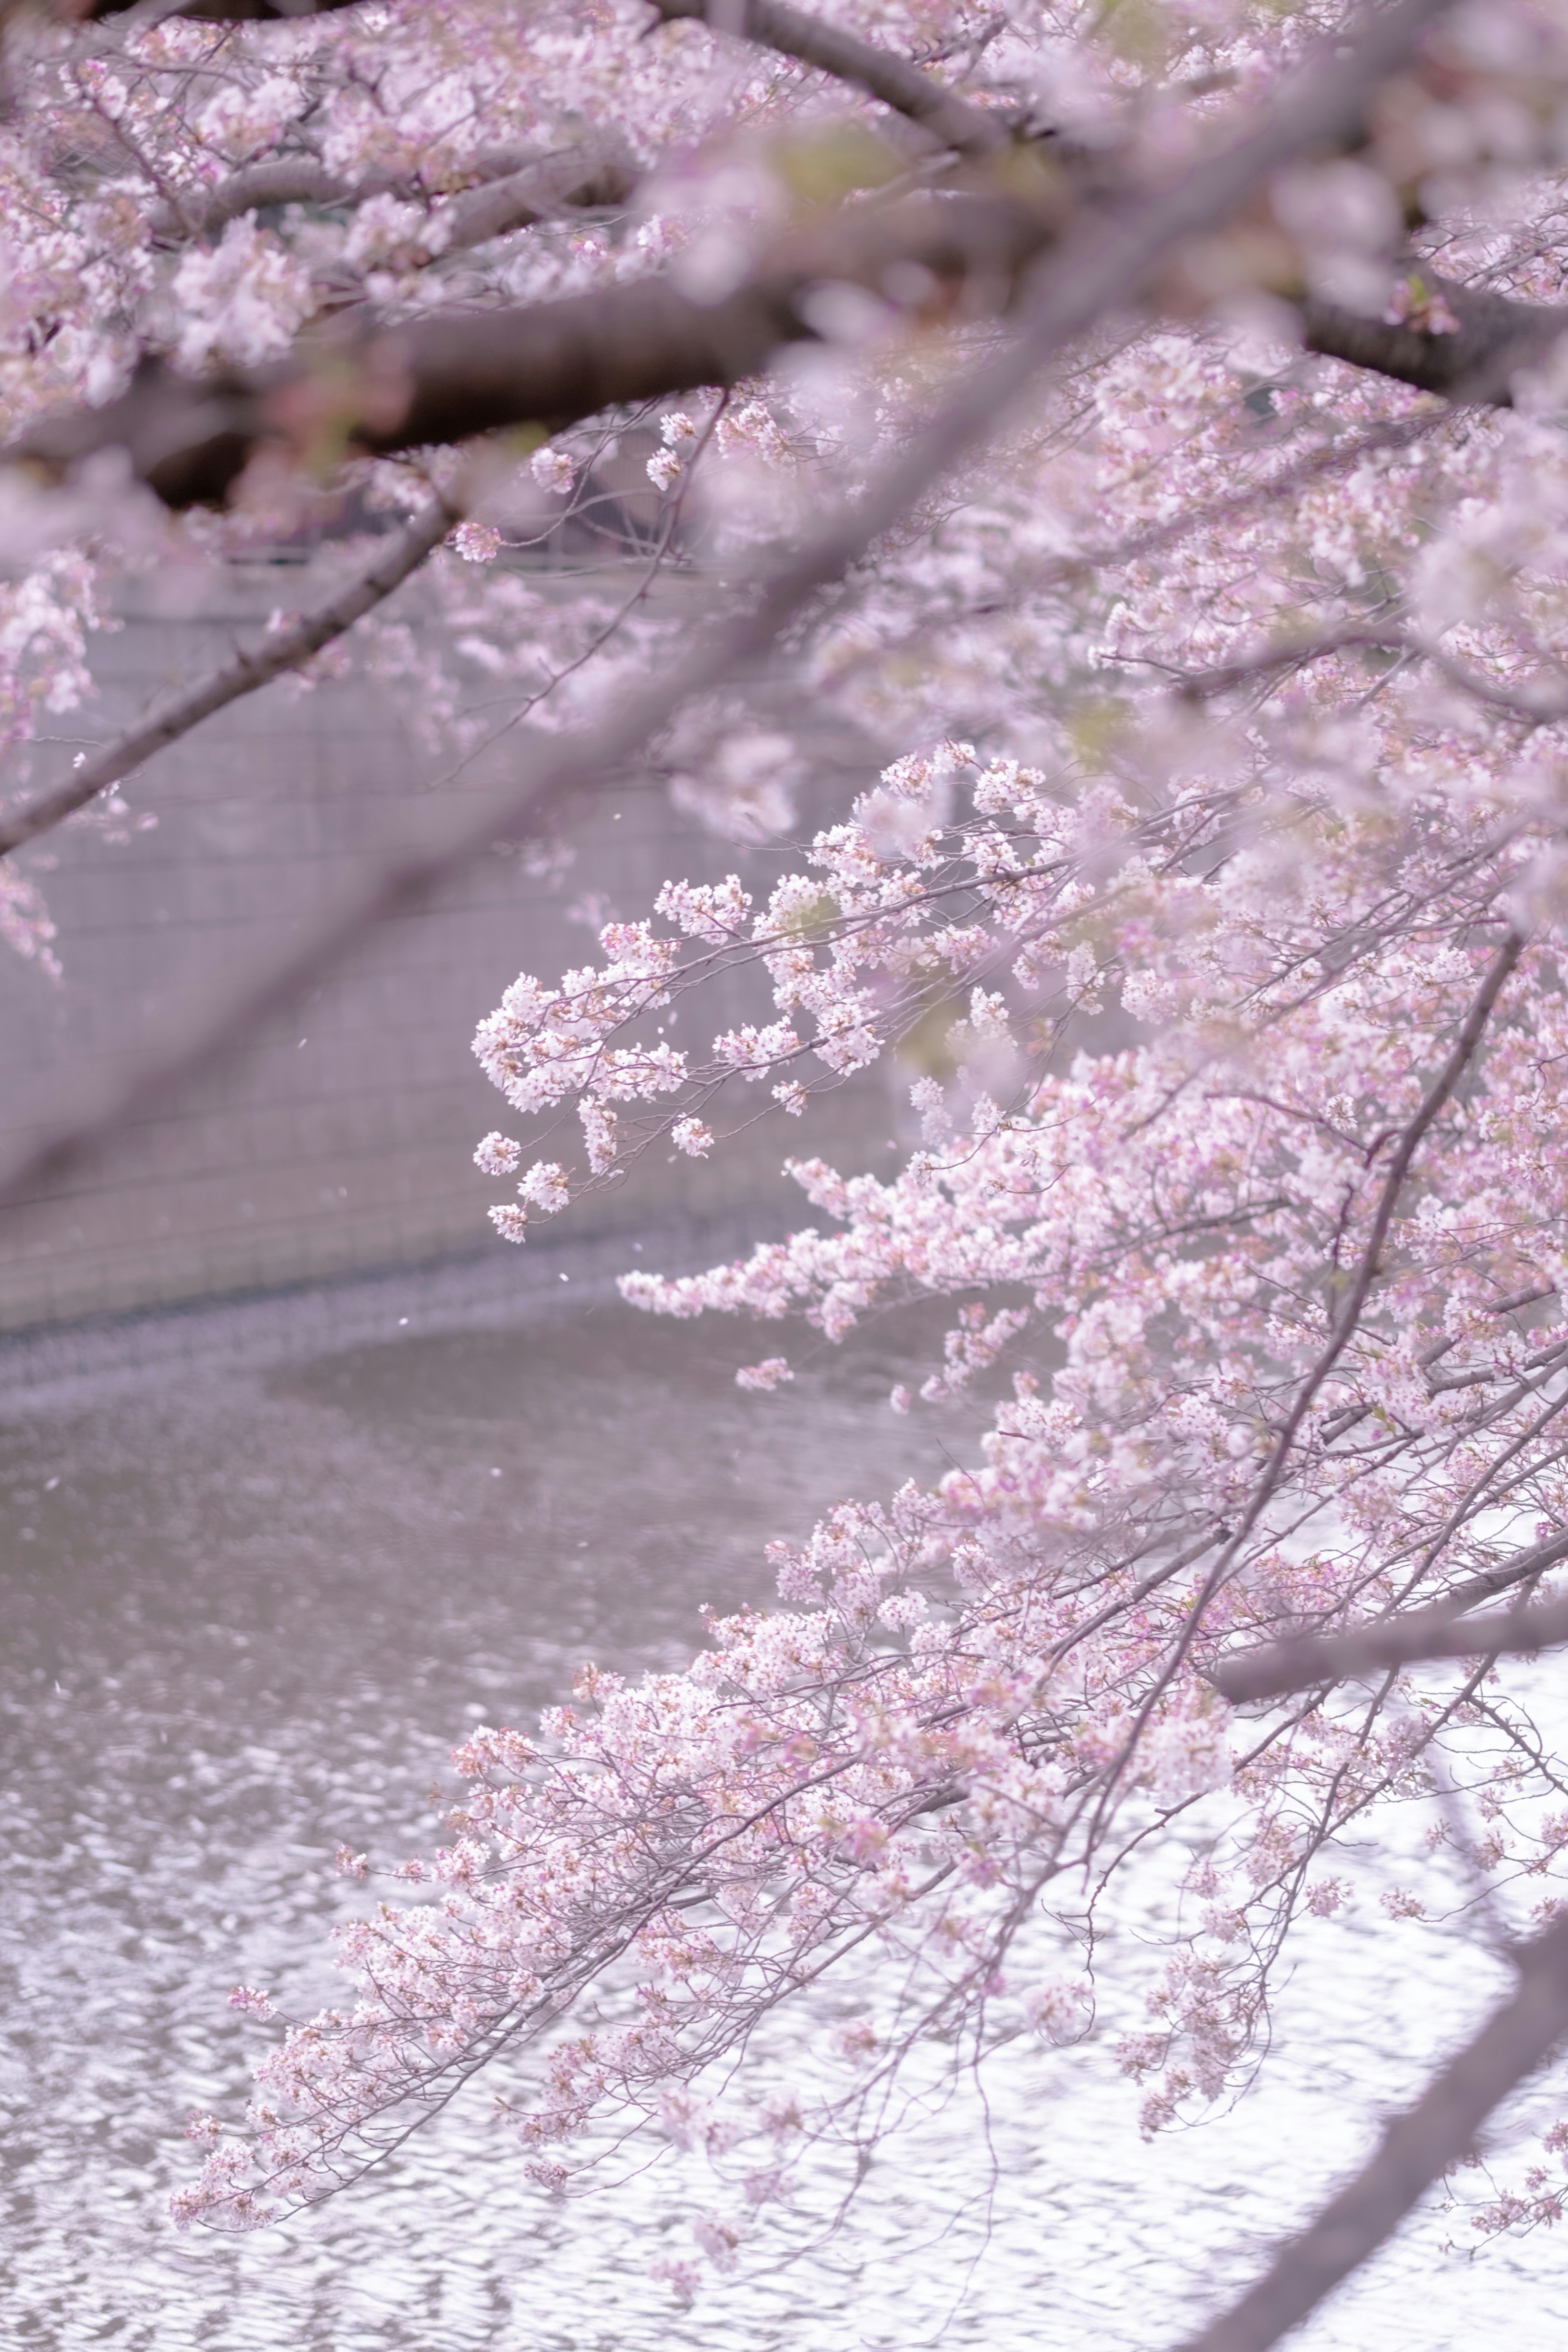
284	650
447	376
1425	1635
1416	2149
1495	337
450	376
952	121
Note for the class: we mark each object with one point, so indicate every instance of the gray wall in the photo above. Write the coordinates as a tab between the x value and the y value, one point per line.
341	1141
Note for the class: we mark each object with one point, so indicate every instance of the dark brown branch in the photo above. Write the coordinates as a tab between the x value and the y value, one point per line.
447	376
1496	336
214	12
284	650
1416	2149
1538	706
967	130
1103	264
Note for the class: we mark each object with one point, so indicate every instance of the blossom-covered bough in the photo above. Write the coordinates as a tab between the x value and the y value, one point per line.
1153	438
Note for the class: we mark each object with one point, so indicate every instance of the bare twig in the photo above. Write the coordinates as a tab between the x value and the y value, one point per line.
1416	2150
285	649
1340	1334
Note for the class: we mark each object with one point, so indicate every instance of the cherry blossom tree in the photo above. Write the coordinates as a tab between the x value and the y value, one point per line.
1150	428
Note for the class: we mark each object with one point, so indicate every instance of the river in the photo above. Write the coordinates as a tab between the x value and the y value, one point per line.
246	1613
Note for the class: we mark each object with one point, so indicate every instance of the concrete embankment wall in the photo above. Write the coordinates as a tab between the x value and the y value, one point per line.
339	1142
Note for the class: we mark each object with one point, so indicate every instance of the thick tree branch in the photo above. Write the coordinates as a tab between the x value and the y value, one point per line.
1496	336
448	375
561	361
1442	1631
1103	263
445	377
967	130
284	180
216	11
1505	1575
1416	2149
577	177
284	650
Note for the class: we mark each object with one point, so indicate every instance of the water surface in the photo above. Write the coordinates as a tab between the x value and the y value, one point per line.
246	1615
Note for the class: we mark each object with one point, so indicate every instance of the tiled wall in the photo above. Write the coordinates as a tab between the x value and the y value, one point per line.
340	1139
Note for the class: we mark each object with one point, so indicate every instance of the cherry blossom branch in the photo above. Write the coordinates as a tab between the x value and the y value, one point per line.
827	48
1427	1633
1495	336
1416	2149
1538	709
1523	1568
189	443
448	375
1104	261
968	131
1370	1265
284	650
512	191
1314	465
1344	1325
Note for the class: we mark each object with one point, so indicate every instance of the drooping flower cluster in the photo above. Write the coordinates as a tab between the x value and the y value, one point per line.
978	1699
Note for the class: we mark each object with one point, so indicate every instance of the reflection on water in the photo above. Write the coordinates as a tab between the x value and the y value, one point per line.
246	1616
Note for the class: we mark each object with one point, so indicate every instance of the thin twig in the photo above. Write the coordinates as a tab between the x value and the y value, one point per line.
1340	1337
285	649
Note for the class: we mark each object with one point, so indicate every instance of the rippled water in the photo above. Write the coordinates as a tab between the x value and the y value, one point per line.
246	1615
